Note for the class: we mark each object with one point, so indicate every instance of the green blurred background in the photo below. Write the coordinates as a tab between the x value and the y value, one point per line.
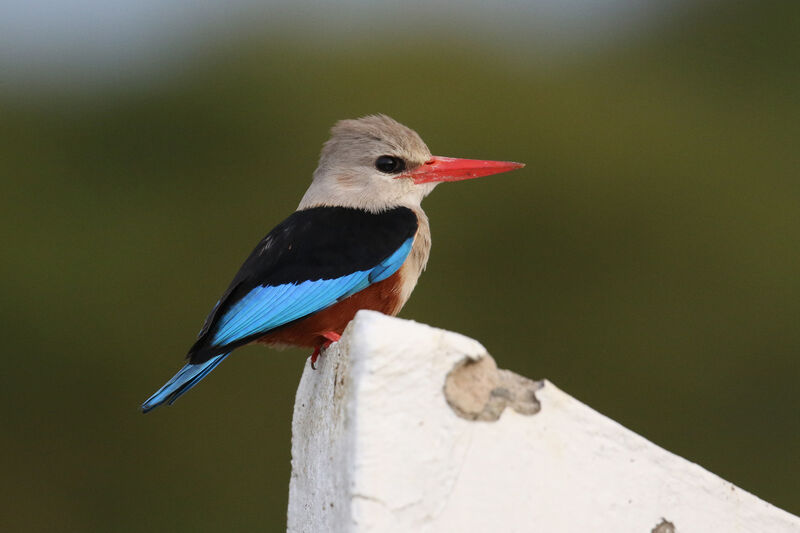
645	260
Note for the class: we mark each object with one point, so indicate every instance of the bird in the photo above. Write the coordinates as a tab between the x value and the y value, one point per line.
359	239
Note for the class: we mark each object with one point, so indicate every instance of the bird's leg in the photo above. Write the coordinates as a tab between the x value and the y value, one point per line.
330	338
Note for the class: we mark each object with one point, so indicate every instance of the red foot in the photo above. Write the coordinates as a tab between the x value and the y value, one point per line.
331	337
314	357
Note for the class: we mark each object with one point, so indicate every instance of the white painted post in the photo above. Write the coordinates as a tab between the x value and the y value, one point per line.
408	428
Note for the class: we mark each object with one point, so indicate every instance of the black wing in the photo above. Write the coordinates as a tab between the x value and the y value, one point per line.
312	259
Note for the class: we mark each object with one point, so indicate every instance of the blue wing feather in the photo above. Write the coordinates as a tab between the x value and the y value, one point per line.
391	264
265	308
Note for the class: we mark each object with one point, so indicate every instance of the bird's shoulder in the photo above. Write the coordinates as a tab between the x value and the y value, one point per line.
325	243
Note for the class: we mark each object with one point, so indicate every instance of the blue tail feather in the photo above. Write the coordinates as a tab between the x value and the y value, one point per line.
186	378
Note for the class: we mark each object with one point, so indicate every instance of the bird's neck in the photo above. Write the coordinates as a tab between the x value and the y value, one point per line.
373	200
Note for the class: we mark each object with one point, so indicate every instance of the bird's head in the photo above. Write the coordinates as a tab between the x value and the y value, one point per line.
376	163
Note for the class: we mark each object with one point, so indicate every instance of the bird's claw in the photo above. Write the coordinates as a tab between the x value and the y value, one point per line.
330	337
314	357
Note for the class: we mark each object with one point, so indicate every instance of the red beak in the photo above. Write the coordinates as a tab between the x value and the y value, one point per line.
451	169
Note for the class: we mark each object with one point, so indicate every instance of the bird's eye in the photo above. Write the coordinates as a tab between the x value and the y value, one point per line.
390	164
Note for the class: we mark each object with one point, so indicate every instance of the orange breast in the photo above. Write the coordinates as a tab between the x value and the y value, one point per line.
383	296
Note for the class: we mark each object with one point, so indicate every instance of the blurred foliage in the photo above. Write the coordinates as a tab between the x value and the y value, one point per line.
645	261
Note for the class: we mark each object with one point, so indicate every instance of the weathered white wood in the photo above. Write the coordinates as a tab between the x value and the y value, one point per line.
378	446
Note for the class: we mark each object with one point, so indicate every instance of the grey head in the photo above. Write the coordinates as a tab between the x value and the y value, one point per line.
366	164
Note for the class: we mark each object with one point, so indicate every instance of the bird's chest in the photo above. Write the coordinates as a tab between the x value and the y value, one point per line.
414	265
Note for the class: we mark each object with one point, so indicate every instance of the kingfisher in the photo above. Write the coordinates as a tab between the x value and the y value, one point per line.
358	240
